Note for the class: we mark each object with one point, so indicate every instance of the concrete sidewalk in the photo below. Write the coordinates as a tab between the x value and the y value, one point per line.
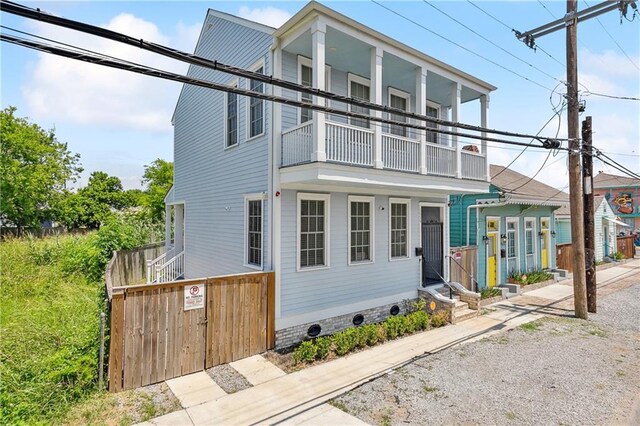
290	398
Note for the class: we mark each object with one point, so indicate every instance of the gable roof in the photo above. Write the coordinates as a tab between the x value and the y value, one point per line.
524	190
565	211
606	180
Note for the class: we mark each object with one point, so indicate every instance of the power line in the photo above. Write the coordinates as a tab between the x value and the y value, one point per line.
613	39
600	154
90	58
460	46
626	98
193	59
489	41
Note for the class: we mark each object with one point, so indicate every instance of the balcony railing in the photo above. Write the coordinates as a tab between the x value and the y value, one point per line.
167	267
353	145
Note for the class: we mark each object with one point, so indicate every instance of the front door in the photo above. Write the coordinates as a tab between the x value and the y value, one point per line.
493	230
432	259
544	252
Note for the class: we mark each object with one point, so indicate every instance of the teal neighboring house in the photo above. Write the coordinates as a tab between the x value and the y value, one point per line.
513	226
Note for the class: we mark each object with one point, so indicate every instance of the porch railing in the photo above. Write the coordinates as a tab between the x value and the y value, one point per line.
170	270
349	144
440	160
400	153
152	266
297	144
473	165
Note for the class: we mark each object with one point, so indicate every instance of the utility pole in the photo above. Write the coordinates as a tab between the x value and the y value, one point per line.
570	22
589	226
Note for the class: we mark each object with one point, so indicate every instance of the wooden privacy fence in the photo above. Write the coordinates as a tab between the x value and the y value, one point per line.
154	338
564	256
625	246
464	257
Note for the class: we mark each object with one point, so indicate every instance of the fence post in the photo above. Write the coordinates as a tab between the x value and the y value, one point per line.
101	365
116	343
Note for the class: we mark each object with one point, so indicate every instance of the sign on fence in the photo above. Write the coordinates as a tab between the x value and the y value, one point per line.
194	296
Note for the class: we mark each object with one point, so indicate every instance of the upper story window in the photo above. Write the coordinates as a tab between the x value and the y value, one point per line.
256	106
231	120
399	210
360	229
399	100
305	78
313	230
359	89
253	227
433	110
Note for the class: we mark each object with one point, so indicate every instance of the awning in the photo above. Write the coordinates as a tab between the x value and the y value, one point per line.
617	222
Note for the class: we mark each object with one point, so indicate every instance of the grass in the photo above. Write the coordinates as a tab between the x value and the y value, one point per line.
530	326
488	293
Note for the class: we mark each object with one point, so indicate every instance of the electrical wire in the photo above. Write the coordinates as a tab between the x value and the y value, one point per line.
491	42
90	58
599	154
624	171
626	98
460	46
14	8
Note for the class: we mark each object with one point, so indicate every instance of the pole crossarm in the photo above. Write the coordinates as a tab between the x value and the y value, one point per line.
529	37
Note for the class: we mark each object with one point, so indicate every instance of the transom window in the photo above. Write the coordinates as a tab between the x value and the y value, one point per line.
399	228
254	232
360	229
231	137
313	233
359	89
256	107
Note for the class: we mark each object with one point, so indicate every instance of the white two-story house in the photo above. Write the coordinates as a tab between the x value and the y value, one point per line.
351	215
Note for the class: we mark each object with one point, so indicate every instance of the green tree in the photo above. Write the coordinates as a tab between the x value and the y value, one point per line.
100	198
158	178
34	169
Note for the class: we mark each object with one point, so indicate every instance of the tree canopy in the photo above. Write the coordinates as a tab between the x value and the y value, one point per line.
34	169
158	178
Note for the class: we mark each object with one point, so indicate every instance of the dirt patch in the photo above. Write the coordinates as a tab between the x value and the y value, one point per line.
228	378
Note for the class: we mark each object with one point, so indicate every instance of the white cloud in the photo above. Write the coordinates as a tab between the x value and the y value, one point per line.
609	63
270	16
64	90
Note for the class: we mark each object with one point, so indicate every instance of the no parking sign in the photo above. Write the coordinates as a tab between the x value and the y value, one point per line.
193	296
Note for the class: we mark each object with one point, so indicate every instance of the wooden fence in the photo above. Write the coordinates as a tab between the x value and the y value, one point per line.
129	267
154	338
463	266
564	256
625	246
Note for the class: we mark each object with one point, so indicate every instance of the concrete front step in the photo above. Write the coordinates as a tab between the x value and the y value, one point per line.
460	306
465	314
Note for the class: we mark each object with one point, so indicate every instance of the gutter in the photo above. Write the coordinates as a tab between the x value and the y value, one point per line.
477	206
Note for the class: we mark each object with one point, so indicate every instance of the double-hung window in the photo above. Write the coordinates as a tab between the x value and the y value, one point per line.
361	219
530	242
256	106
313	230
433	111
512	245
231	120
253	233
359	89
305	78
398	100
399	210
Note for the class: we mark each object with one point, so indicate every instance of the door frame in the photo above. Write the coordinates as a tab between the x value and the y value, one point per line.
498	246
444	218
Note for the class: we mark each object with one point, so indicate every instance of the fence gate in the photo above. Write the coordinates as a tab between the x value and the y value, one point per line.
153	337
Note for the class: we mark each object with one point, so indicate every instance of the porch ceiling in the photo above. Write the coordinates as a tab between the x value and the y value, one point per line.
346	53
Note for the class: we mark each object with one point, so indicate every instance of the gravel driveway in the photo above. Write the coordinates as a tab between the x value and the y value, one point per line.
553	371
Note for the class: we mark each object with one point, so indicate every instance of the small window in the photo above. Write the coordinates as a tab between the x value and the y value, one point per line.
492	225
313	232
398	100
399	228
359	89
360	229
256	107
231	123
254	232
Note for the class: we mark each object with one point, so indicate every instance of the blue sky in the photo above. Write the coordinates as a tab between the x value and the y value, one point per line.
119	122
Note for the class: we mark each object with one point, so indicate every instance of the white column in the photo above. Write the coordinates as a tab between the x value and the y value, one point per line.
455	117
318	30
178	233
167	226
484	122
375	94
421	108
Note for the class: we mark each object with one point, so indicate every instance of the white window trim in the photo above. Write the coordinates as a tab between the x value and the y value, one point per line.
392	91
406	201
515	220
372	222
255	67
360	80
307	62
253	197
437	107
233	83
327	214
535	243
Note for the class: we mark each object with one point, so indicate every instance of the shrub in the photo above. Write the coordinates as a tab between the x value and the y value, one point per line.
395	326
617	255
420	320
323	347
306	352
345	341
361	337
418	305
381	332
371	334
439	319
490	292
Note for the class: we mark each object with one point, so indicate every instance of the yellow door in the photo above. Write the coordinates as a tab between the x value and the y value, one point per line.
545	249
492	260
